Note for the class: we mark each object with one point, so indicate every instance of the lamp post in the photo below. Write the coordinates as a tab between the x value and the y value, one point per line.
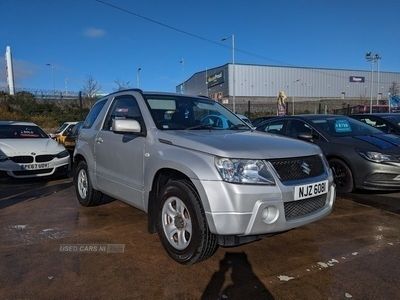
182	62
377	59
373	58
138	77
52	74
297	80
232	37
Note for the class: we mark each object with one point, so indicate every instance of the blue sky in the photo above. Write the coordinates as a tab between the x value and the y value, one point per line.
82	38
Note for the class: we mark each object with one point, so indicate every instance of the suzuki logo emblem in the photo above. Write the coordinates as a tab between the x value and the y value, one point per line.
305	167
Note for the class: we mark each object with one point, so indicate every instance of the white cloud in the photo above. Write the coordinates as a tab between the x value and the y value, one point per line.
94	33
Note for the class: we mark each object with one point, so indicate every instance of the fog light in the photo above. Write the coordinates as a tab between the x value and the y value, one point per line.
270	214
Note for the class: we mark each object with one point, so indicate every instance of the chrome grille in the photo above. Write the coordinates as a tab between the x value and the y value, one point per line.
300	208
23	159
298	167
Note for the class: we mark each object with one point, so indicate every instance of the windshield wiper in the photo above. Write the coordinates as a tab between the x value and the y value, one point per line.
201	126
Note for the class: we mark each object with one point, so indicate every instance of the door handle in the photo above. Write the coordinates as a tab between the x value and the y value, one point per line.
99	140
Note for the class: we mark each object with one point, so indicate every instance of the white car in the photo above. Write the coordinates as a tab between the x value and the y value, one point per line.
27	151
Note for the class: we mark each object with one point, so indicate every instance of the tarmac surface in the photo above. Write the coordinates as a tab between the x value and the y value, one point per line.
52	248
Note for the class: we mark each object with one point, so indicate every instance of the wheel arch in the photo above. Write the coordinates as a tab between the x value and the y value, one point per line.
347	162
160	178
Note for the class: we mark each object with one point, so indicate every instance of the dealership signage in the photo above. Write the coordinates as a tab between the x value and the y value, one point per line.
215	79
357	79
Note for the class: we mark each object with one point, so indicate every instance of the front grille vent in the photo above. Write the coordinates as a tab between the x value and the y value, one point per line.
301	208
298	167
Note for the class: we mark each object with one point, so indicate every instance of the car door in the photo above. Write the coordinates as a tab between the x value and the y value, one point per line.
119	156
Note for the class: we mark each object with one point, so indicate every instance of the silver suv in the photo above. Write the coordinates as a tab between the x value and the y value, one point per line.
202	175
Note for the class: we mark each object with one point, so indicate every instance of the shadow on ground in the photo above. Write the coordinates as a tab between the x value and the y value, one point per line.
242	280
16	191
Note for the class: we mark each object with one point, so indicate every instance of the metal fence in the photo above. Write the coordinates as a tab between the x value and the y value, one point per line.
46	94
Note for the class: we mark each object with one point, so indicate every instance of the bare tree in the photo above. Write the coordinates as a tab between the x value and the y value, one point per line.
122	85
394	89
91	87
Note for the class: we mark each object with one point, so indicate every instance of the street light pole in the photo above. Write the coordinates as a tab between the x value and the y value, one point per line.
138	77
370	57
182	62
54	81
233	71
377	59
297	80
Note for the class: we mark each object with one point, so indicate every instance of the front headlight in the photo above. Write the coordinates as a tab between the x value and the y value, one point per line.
63	154
378	157
246	171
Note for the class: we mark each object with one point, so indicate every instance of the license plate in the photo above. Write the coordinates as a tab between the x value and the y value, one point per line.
310	190
34	166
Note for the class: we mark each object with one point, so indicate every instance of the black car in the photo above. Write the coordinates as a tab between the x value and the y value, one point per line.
259	120
388	123
360	155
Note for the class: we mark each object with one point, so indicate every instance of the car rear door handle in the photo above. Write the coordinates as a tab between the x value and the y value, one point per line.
99	140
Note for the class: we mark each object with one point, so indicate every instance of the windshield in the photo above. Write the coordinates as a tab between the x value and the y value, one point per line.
21	132
393	119
62	127
343	126
187	113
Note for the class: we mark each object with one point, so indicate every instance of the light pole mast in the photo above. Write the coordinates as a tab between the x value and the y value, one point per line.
233	71
182	62
54	81
377	59
138	77
370	57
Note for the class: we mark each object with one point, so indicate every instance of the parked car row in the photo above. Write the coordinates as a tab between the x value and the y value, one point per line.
360	155
205	176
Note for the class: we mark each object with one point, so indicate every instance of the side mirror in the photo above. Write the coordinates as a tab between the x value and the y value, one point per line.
306	137
123	126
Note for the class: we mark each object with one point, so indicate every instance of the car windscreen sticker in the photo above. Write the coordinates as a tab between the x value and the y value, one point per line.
342	125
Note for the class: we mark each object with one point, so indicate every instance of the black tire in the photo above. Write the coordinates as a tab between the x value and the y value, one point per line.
92	197
203	243
342	175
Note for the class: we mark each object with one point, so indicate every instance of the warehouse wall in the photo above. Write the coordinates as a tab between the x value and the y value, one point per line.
267	81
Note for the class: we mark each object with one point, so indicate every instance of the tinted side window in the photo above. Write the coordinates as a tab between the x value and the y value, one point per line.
277	127
297	127
375	122
123	107
93	114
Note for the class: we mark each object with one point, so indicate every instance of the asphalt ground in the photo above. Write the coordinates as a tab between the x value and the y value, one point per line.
52	248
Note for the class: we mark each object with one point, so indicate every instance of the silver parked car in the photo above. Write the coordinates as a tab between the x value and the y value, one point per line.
201	185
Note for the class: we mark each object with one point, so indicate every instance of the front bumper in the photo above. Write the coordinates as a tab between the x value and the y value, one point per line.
378	176
57	165
235	209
